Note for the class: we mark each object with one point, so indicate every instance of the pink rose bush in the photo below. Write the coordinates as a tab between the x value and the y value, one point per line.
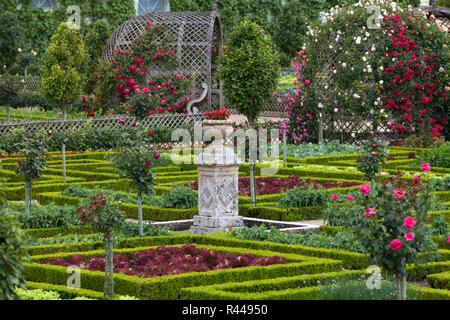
394	227
370	212
398	193
425	167
395	245
365	189
409	223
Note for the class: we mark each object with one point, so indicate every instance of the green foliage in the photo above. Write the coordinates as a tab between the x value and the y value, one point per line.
339	241
36	35
25	99
12	251
292	21
440	226
50	216
321	149
441	184
346	216
302	197
179	197
136	164
89	138
9	36
249	69
373	158
357	290
129	229
8	91
37	294
96	38
436	157
62	63
414	141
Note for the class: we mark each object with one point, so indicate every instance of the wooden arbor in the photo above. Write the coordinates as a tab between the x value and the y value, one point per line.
197	41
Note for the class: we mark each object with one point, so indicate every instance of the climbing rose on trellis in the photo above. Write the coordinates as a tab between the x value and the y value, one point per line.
126	77
415	83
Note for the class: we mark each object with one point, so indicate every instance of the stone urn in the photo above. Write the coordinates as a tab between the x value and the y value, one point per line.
212	127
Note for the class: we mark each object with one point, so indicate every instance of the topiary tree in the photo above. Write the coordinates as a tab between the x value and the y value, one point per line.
103	217
61	65
136	164
34	149
249	69
12	251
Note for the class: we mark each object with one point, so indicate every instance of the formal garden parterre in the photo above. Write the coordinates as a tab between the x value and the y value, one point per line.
314	257
153	187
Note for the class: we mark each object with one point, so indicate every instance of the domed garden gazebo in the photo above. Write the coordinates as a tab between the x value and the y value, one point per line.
196	41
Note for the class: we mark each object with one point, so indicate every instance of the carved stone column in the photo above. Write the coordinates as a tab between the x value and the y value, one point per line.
218	167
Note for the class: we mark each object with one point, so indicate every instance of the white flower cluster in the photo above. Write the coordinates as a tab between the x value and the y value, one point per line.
335	11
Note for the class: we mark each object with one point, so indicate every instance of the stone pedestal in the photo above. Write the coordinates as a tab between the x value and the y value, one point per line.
218	167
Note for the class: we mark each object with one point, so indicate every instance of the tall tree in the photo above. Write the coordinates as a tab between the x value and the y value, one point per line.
61	65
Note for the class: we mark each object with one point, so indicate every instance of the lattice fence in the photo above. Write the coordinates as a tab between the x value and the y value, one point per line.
29	84
355	128
170	121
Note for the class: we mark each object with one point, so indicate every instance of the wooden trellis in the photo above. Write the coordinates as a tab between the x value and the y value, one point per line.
194	34
170	121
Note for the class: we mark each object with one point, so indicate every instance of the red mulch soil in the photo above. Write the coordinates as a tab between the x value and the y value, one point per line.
274	185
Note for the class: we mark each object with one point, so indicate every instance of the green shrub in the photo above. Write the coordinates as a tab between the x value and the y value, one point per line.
358	290
441	184
179	197
27	98
440	226
50	216
436	157
321	149
301	197
343	215
340	240
12	249
292	23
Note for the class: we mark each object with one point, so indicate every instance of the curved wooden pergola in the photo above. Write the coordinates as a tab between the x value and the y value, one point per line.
197	40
